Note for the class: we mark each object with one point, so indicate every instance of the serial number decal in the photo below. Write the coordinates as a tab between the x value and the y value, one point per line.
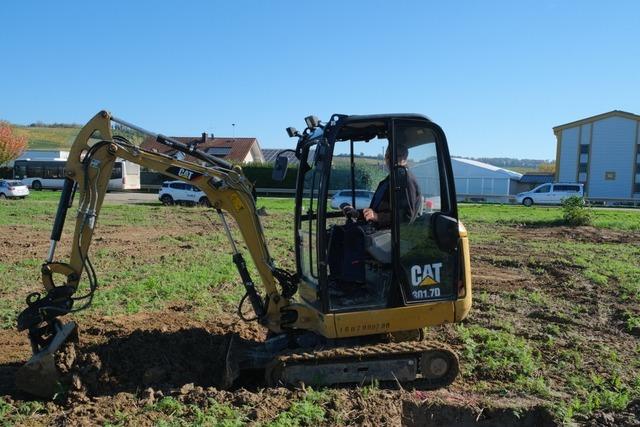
426	293
366	327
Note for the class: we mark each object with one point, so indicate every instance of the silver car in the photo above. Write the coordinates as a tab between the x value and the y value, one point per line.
363	198
13	189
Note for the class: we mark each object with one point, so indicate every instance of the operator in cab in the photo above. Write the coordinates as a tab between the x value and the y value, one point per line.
379	210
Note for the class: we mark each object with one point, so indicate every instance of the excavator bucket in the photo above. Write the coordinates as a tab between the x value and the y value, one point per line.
40	375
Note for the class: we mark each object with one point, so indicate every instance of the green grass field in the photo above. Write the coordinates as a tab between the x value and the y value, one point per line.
556	316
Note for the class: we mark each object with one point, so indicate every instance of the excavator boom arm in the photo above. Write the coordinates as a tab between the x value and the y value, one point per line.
88	169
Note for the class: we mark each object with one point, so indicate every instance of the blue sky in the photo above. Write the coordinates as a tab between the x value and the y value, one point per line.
497	76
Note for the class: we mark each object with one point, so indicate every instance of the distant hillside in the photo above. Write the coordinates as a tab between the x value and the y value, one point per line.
48	137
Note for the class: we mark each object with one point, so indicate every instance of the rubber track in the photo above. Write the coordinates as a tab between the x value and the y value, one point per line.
376	351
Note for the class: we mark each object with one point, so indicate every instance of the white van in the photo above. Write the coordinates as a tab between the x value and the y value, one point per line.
550	194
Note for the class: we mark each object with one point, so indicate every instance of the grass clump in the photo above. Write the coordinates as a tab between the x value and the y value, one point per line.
497	354
306	411
631	322
169	406
5	408
214	414
218	415
599	393
575	212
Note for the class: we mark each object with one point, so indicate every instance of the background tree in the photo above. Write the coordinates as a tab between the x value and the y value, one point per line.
547	167
11	146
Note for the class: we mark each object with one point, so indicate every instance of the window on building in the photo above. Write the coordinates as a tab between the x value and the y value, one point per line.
584	149
582	177
219	151
582	168
610	176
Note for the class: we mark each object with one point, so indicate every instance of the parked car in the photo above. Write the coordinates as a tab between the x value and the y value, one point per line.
13	189
173	192
363	198
550	194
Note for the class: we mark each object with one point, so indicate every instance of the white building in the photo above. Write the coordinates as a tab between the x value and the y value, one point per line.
473	180
603	153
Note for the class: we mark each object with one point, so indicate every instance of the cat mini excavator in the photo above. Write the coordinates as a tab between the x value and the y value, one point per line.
354	309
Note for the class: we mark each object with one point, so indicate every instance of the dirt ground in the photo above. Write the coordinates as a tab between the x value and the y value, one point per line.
126	362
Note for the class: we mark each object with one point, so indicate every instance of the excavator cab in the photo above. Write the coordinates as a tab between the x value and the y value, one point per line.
413	257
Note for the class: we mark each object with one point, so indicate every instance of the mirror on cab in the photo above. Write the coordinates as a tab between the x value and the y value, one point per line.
446	232
280	168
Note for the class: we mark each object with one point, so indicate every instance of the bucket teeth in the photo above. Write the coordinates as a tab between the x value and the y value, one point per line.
40	376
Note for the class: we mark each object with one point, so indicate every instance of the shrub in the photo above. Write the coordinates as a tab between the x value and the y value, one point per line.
575	212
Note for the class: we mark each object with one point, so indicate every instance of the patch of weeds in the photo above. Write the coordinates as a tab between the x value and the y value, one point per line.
535	385
483	297
631	322
572	357
550	342
307	411
552	329
119	420
29	409
597	278
497	355
217	414
370	389
600	393
214	414
505	325
8	314
169	406
538	298
520	294
5	408
606	264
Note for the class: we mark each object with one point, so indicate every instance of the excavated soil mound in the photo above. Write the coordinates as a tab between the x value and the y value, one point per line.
151	358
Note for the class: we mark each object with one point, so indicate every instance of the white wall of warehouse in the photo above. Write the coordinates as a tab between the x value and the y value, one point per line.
472	178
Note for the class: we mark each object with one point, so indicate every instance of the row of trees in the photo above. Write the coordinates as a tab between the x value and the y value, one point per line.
40	124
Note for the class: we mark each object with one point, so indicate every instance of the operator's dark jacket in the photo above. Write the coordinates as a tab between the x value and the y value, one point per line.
408	201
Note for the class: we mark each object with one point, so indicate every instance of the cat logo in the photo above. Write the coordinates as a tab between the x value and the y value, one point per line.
185	173
426	275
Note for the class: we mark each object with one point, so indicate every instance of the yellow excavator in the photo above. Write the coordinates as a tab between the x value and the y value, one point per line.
363	291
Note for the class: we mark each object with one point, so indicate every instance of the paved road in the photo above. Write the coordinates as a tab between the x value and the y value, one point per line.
131	198
135	198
